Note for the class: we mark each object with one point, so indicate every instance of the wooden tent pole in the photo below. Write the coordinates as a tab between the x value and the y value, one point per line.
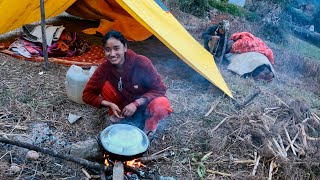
44	39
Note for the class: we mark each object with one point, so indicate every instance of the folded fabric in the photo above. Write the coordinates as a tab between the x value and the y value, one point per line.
19	48
247	62
53	33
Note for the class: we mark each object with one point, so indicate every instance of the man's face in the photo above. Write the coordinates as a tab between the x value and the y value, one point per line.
114	51
221	31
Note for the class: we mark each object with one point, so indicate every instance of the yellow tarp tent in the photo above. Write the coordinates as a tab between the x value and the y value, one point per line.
126	16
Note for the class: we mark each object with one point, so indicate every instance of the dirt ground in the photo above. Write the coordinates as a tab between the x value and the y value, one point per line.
32	98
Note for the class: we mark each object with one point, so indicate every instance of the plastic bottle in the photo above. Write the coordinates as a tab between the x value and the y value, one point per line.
76	80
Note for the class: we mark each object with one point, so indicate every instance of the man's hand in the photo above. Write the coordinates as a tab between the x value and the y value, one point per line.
215	38
129	110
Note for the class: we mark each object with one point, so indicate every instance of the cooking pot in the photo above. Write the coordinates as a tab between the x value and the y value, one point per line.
124	142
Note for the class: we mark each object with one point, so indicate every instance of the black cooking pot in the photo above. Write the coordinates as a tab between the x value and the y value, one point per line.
124	142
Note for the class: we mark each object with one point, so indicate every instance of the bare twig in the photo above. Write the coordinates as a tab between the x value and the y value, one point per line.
271	149
256	166
281	101
270	171
304	136
220	173
312	138
213	107
272	108
281	153
244	161
85	172
4	154
151	158
14	126
35	173
290	142
307	119
293	140
221	113
282	146
316	118
161	151
221	122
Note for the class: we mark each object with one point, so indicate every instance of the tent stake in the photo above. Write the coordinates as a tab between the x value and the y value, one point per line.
44	39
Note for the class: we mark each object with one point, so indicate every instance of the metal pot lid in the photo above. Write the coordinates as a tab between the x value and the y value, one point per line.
124	139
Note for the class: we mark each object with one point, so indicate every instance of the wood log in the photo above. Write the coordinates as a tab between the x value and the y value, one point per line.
310	36
54	153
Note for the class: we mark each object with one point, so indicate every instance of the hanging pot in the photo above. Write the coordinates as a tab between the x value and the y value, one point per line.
124	142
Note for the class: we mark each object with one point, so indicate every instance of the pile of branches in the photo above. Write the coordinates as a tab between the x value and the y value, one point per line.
277	142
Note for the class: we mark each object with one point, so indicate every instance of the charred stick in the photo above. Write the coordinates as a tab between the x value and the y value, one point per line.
248	99
151	158
54	153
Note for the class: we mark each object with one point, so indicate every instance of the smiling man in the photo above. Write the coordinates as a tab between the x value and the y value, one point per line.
129	85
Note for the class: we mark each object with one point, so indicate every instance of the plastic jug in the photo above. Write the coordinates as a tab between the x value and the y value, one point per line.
76	80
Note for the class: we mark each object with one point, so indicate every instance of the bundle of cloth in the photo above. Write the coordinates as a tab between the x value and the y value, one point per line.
250	57
61	43
247	42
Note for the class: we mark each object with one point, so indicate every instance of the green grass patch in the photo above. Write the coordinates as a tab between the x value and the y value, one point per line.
234	10
297	45
226	7
195	7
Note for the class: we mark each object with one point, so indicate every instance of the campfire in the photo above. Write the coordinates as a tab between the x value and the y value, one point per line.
133	169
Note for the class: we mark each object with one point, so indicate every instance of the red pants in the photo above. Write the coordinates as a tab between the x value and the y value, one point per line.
157	109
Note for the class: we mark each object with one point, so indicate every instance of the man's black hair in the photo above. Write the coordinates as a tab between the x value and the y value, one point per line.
114	34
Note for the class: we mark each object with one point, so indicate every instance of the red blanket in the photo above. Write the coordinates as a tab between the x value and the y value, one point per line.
246	42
